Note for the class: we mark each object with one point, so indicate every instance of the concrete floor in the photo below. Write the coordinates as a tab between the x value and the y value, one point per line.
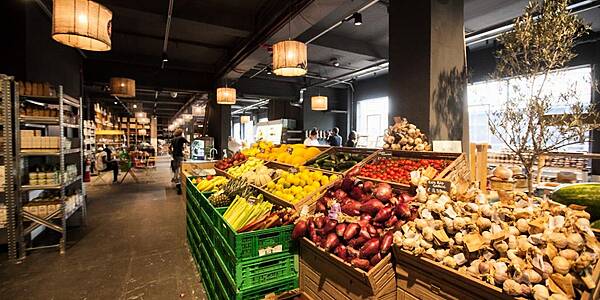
134	247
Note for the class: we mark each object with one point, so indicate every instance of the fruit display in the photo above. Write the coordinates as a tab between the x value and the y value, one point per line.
258	149
338	161
244	211
235	187
210	183
280	217
529	247
293	187
584	194
229	162
398	170
405	136
296	154
355	221
254	171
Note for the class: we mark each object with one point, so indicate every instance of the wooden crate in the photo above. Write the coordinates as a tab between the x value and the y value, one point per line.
457	170
426	279
326	276
285	165
368	152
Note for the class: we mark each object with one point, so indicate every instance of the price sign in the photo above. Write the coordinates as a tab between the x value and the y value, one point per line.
270	250
438	186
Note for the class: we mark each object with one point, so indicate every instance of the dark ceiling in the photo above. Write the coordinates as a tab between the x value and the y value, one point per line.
212	39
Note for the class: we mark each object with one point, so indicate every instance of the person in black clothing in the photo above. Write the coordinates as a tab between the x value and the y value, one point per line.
105	162
176	148
334	138
352	139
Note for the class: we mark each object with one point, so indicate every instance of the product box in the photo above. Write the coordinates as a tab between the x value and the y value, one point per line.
36	142
25	133
54	142
27	142
44	142
42	211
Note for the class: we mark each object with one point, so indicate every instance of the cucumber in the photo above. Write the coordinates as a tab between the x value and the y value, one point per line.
586	194
596	224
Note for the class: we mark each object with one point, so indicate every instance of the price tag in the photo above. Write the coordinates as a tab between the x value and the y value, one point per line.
438	186
270	250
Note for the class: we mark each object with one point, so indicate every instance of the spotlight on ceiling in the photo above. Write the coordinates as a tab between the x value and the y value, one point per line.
269	72
357	19
135	106
165	58
335	62
116	103
173	94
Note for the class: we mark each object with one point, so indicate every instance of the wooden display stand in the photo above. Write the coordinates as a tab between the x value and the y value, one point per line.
326	276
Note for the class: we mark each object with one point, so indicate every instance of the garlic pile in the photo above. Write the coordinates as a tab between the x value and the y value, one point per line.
405	136
534	248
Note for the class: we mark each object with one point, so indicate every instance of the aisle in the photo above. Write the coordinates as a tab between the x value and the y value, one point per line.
134	247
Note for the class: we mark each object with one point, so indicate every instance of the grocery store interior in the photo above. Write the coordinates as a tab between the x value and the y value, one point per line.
300	149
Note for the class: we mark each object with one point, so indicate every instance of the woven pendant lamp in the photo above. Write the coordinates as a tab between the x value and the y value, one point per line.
122	87
226	95
244	119
82	24
318	102
290	58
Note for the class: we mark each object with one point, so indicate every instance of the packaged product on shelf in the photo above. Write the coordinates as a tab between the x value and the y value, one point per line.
3	216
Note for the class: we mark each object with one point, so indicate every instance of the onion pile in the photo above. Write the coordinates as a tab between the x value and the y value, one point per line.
355	221
405	136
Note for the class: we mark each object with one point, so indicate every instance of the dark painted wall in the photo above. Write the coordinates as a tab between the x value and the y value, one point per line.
29	52
326	120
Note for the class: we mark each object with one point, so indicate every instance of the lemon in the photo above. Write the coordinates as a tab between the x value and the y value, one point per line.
333	178
270	185
324	180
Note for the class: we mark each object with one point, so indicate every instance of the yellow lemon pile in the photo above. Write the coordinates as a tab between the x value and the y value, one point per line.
293	187
258	149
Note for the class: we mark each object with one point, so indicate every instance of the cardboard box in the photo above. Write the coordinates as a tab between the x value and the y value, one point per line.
25	133
42	211
27	142
54	142
36	142
44	142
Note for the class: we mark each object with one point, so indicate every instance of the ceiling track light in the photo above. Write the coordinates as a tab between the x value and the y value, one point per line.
357	18
165	58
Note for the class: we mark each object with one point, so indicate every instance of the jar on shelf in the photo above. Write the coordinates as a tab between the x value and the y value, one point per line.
33	175
34	182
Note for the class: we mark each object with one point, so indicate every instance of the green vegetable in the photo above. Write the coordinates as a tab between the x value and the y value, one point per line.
596	224
585	194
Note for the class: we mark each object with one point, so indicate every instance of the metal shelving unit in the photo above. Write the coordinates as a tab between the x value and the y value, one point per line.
8	96
56	220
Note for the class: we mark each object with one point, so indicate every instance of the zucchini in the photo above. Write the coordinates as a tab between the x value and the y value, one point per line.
585	194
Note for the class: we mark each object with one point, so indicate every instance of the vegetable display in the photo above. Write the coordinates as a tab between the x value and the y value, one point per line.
229	162
405	136
355	221
530	248
293	187
242	212
253	170
585	194
296	154
281	217
338	161
398	170
235	187
211	183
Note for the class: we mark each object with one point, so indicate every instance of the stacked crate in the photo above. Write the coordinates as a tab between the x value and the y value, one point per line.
238	265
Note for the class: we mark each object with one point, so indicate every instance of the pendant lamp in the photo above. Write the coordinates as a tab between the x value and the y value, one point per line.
318	102
226	95
140	115
244	119
122	87
82	24
290	58
143	120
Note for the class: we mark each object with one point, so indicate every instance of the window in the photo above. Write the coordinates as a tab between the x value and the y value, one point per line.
486	97
372	120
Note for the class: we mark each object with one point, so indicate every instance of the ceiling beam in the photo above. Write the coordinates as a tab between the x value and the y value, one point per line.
150	61
345	44
126	32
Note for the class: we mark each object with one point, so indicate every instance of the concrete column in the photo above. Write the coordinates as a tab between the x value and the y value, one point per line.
427	67
219	124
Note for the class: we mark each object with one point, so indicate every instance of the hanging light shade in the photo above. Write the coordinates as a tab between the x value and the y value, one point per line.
82	24
140	115
122	87
318	102
244	119
226	95
143	120
198	111
187	117
290	58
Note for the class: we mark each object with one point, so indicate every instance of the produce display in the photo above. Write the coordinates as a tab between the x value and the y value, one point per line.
531	248
210	183
296	154
254	171
229	162
280	217
293	187
584	194
398	170
355	221
244	211
338	161
405	136
232	189
258	149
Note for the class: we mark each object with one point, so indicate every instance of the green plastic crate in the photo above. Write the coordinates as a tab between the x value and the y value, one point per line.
207	275
210	210
254	244
257	271
257	292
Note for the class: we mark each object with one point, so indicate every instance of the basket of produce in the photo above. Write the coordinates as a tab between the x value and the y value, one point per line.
340	159
237	159
296	187
395	167
529	248
291	155
348	238
255	171
405	136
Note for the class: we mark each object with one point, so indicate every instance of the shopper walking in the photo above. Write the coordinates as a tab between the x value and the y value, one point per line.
352	139
105	162
176	148
334	140
311	140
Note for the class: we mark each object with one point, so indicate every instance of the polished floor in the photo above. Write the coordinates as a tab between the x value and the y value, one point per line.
133	247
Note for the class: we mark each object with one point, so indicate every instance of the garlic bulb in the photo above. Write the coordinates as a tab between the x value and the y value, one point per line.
459	223
459	238
569	254
449	261
500	272
428	233
561	265
483	223
575	241
511	287
501	247
540	292
484	267
558	239
522	225
532	276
